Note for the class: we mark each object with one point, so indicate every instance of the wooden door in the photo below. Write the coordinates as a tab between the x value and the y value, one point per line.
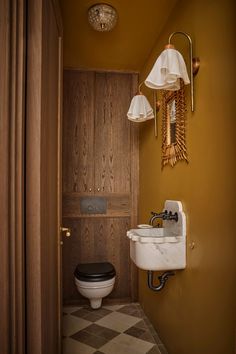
43	99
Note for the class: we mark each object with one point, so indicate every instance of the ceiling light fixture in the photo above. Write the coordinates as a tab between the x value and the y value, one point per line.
102	17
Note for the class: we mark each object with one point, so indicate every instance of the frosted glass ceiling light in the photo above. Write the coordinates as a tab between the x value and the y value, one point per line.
102	17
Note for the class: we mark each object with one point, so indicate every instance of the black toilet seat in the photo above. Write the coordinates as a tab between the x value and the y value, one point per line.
95	272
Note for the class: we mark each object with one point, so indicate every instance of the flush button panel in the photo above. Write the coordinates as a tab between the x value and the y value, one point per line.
93	205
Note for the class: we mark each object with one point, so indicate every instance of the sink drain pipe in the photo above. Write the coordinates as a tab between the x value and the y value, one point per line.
162	279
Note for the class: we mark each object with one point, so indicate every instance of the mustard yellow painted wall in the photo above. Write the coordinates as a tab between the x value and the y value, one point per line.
195	313
126	47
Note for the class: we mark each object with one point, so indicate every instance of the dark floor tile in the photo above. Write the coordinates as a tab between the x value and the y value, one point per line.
80	313
148	337
141	324
141	333
101	311
89	339
162	349
154	350
101	331
91	315
131	310
135	332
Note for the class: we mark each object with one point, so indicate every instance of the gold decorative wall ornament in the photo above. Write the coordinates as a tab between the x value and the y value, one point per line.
174	126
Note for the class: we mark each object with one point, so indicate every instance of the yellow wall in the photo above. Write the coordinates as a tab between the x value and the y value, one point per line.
195	313
126	47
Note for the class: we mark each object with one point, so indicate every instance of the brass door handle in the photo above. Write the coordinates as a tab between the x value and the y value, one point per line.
67	230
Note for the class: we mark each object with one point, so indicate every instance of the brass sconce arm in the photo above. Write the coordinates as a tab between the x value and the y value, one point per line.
156	106
194	63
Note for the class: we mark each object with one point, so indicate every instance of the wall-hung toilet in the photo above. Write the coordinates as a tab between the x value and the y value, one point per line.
95	281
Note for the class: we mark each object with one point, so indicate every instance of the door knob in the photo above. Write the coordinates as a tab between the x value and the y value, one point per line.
66	230
98	189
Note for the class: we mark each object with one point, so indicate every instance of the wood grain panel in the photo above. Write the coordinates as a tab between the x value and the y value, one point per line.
97	240
4	176
118	205
78	131
42	171
12	122
49	178
112	138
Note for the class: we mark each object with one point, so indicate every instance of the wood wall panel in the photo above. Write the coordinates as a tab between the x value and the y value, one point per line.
78	133
118	205
97	240
107	159
112	138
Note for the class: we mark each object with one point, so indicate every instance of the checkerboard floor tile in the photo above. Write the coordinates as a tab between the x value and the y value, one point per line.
114	329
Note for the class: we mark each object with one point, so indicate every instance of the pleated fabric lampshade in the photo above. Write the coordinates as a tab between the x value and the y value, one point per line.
140	109
167	71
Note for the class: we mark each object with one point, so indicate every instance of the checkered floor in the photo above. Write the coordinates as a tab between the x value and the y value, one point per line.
116	329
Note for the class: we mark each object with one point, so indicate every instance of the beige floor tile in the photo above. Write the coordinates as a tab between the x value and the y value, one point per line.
71	346
118	321
72	324
126	344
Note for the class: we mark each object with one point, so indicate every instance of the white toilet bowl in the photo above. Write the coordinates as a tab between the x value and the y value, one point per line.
95	281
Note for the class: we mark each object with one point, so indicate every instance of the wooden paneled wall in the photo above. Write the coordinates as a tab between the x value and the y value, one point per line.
12	162
100	158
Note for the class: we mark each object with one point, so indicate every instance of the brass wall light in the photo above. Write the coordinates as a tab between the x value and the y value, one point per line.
140	109
169	73
170	67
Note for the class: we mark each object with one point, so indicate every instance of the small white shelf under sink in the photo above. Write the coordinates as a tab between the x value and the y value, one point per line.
161	248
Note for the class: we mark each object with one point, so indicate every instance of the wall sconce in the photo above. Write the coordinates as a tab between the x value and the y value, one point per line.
166	73
102	17
140	109
170	67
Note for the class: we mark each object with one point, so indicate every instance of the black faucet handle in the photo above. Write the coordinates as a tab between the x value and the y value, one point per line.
165	215
154	213
171	216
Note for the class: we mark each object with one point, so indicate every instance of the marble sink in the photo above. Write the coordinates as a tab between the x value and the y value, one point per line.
161	248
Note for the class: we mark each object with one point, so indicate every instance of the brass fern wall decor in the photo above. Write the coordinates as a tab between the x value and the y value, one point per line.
174	126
